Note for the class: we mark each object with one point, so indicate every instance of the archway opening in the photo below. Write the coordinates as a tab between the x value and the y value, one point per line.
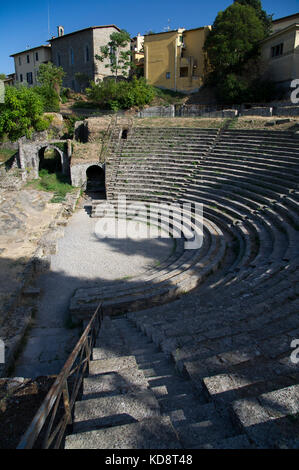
50	160
95	180
124	134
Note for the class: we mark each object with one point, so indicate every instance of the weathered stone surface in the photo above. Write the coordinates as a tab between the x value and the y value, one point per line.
151	433
97	412
114	364
258	111
124	381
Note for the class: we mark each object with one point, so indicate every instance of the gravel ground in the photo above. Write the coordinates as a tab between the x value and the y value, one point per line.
82	259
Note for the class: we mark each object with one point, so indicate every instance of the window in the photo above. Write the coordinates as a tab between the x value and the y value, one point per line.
184	71
71	57
36	56
21	77
167	75
28	59
277	51
58	59
87	53
29	78
20	61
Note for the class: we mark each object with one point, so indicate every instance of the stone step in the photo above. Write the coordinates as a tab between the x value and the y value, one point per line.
113	364
198	433
150	433
97	413
124	381
240	441
270	420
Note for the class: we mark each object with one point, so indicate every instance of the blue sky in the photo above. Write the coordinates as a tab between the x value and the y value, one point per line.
25	24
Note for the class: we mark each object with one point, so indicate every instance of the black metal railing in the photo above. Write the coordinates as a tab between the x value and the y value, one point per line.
49	424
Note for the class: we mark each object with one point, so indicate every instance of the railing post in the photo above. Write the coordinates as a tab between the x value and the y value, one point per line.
66	401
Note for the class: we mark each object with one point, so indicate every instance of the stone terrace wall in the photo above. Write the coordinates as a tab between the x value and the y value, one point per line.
217	111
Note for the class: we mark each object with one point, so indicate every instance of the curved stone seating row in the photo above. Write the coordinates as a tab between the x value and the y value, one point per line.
167	148
232	336
181	273
264	223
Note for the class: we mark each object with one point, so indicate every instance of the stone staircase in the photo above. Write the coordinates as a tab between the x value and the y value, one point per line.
134	398
223	315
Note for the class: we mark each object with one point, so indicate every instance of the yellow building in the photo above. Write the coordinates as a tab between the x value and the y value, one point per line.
175	60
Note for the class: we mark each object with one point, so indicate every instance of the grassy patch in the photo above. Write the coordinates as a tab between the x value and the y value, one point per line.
52	182
186	122
169	96
6	154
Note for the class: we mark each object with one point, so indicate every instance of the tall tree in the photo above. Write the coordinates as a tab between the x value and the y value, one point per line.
262	14
233	39
118	52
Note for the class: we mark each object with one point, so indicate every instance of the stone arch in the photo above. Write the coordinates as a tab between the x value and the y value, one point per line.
53	165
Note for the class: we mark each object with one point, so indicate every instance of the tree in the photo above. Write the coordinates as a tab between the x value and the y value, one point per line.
50	80
2	76
262	14
234	39
118	53
50	76
21	113
232	49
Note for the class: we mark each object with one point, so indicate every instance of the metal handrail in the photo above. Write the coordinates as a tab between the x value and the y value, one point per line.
59	395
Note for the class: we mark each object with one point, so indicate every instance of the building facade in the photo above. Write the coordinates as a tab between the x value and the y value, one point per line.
137	51
27	64
175	60
75	53
280	51
10	79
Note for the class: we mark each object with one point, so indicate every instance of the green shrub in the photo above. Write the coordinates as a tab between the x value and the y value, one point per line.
114	95
49	98
236	90
233	90
22	113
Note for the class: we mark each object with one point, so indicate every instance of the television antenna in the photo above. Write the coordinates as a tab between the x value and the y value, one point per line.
167	28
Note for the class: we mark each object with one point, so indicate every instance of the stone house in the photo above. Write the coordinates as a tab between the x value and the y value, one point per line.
280	51
27	63
75	53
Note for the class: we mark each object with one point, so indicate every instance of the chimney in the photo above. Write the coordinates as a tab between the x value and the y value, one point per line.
60	30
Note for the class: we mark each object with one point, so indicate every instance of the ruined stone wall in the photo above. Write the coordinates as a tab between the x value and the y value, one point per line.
78	173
